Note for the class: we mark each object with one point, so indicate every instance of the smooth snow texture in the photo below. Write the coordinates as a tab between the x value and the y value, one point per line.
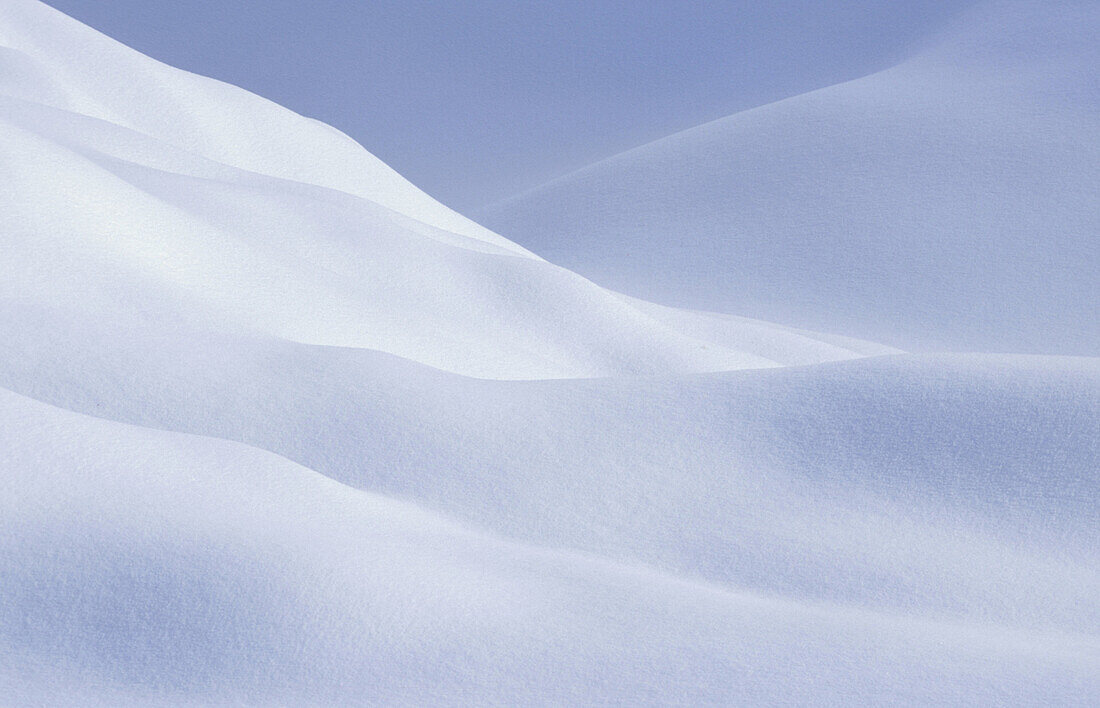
183	199
950	202
150	567
275	428
920	498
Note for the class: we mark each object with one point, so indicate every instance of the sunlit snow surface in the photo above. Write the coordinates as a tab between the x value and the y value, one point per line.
276	428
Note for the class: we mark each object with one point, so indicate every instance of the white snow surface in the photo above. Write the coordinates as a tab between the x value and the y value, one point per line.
131	186
948	203
276	428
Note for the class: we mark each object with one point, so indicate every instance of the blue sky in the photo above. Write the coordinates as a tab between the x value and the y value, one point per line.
476	101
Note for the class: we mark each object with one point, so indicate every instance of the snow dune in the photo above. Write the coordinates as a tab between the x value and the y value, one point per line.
148	567
277	428
177	197
886	481
947	203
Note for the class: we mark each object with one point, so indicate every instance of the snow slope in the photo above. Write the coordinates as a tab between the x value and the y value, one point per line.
275	428
920	498
949	202
247	579
176	197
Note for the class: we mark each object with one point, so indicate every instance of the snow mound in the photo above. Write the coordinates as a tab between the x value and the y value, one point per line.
276	428
947	203
151	191
248	579
951	485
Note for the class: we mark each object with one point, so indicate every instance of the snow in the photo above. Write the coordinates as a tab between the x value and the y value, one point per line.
159	567
926	206
114	202
277	428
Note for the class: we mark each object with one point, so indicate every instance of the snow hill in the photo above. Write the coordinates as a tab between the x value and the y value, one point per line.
131	186
277	428
949	202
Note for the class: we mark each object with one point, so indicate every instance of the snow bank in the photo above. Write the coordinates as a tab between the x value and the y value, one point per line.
948	203
275	428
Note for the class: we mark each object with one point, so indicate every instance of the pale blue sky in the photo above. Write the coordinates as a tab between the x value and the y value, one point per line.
475	101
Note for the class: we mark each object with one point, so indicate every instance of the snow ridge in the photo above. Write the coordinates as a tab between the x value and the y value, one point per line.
947	203
277	428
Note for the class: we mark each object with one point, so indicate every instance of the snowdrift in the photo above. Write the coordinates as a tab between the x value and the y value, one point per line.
148	567
133	187
277	428
948	203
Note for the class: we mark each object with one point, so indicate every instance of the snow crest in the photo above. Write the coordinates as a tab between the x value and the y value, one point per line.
276	428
